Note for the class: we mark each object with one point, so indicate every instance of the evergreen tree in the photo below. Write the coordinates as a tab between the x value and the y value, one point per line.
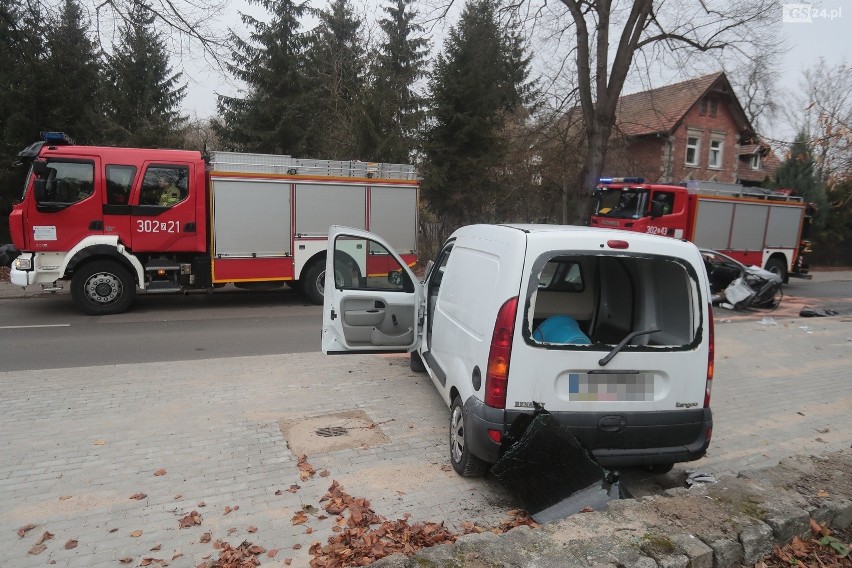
336	72
73	68
478	86
395	111
144	94
797	172
22	95
273	116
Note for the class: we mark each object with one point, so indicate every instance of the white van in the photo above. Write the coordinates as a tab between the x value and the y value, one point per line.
609	331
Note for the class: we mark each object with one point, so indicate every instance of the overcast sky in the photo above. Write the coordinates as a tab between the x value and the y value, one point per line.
827	35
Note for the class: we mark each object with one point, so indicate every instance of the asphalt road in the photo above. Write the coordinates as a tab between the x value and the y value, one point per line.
47	331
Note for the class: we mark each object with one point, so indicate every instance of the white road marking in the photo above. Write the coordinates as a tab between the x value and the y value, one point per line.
34	326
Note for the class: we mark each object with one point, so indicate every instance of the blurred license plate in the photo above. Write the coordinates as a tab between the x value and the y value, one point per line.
611	386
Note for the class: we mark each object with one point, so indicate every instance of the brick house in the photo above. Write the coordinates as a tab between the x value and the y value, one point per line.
696	129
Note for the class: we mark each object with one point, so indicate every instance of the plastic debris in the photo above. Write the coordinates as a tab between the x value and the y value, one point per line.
768	321
697	477
807	312
806	328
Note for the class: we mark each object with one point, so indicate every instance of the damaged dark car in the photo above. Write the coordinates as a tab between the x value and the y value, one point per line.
736	286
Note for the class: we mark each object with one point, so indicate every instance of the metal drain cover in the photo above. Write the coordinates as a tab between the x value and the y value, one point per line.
332	431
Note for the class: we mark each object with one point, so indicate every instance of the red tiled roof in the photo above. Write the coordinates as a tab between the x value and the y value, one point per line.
659	110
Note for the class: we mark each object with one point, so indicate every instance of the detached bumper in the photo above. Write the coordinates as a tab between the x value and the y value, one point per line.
616	439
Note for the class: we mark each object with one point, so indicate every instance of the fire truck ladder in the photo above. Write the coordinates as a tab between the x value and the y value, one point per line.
286	165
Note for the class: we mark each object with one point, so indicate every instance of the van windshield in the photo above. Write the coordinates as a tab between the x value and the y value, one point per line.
599	300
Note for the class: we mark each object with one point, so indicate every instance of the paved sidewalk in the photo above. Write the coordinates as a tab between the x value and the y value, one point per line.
76	444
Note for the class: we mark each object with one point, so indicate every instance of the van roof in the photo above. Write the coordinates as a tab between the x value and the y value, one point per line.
665	245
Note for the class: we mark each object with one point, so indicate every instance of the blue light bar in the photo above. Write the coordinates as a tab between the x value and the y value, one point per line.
622	180
56	138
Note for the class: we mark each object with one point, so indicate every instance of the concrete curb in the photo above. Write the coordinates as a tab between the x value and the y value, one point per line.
734	522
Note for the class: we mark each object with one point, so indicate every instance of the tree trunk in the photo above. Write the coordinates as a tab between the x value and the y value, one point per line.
590	175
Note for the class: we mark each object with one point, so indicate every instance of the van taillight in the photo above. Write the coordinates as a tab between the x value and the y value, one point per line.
710	357
497	375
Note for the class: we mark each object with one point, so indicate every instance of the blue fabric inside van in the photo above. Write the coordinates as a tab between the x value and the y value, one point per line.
560	329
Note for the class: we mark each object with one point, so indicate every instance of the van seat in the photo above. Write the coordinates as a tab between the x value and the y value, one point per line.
560	329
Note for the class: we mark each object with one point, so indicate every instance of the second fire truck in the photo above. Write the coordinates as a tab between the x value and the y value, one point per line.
754	226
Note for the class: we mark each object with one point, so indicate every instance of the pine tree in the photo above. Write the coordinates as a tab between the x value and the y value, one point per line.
143	93
74	68
395	110
479	84
336	72
798	173
273	115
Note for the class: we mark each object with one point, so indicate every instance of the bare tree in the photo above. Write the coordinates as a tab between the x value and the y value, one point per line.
754	83
824	113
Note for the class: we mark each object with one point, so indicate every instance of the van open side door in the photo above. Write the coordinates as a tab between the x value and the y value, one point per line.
371	298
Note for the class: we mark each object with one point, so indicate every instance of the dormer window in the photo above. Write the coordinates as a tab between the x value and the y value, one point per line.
714	106
702	108
755	161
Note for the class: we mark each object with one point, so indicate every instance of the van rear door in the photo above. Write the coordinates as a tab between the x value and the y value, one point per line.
372	300
583	303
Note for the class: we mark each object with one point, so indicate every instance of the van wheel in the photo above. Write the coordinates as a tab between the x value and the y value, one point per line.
102	287
465	463
416	363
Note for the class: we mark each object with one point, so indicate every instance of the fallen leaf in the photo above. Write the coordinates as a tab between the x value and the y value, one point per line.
178	496
70	544
228	509
112	530
156	548
138	496
587	510
306	471
278	492
46	535
236	507
25	529
288	561
205	537
125	560
297	546
252	529
272	552
202	504
823	430
822	493
309	530
445	467
294	488
64	497
190	520
255	549
37	549
177	555
232	530
324	473
299	518
100	442
136	534
160	472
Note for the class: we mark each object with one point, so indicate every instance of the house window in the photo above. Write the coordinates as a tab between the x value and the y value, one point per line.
755	161
702	109
715	159
692	146
714	106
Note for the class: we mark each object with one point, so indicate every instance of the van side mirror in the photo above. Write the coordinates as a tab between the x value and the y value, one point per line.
657	209
40	190
40	168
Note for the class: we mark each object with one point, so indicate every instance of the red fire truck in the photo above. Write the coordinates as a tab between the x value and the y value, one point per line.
754	226
114	220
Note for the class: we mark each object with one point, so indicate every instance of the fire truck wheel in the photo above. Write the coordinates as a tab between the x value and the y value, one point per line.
777	266
102	287
313	282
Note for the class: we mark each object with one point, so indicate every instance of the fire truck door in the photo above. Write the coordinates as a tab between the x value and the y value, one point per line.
162	213
69	208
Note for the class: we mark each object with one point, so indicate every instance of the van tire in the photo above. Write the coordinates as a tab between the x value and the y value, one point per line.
465	463
102	287
416	363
